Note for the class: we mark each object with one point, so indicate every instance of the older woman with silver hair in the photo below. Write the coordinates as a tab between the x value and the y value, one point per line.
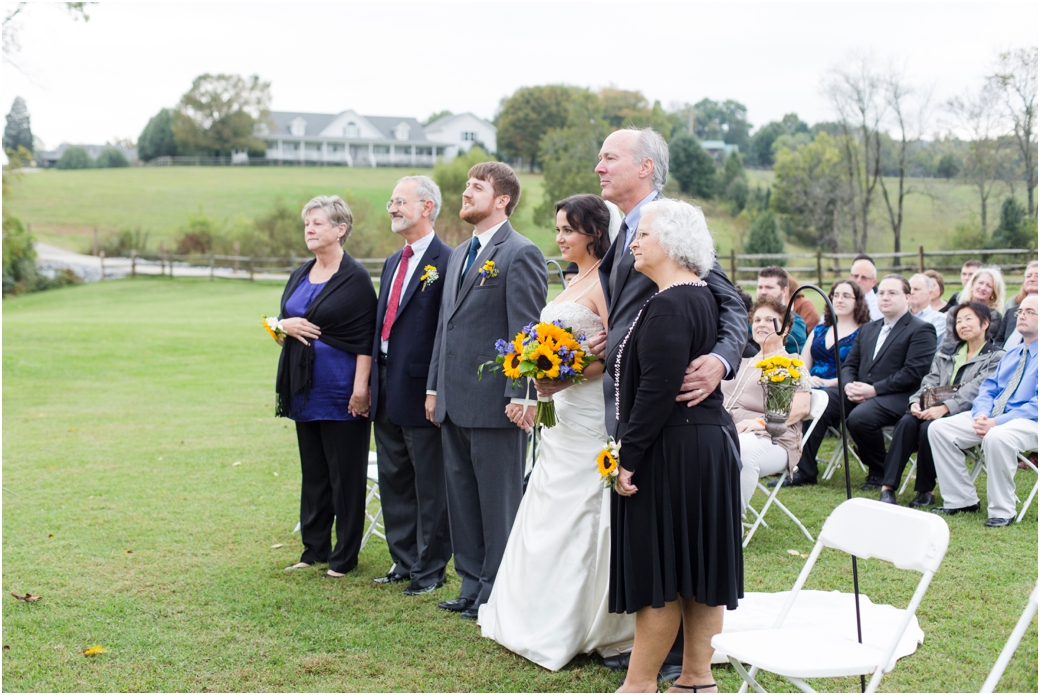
328	314
675	520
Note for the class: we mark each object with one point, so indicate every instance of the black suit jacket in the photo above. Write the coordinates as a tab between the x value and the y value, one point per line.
411	337
903	361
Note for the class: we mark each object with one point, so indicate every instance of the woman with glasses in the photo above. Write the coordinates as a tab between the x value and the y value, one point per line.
1007	326
818	353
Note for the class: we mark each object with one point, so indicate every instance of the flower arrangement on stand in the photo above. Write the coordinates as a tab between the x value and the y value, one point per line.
780	380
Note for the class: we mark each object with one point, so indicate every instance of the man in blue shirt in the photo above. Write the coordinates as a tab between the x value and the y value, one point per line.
773	281
1003	419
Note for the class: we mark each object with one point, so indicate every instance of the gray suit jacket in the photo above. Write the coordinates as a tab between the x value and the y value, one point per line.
473	317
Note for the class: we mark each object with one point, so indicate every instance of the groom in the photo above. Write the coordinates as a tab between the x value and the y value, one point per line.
496	283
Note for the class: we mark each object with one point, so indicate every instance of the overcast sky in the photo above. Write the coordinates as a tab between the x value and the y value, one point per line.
95	81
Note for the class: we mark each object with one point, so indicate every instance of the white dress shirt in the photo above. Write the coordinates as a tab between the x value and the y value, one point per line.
935	318
418	249
871	299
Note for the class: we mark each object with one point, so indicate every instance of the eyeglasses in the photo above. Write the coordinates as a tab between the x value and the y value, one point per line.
843	295
399	202
1025	312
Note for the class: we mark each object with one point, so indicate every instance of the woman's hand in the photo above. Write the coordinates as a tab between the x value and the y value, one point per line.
360	402
548	387
915	410
935	413
818	383
623	483
301	329
750	425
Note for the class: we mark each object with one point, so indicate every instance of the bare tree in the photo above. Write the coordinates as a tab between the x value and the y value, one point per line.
978	113
908	107
11	25
857	97
1015	78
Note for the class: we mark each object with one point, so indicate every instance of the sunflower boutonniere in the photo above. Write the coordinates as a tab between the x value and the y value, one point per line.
488	270
607	462
429	276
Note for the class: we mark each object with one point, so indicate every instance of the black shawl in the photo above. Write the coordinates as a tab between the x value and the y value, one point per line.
345	312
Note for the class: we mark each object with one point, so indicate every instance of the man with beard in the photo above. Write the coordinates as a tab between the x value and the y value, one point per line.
495	284
408	446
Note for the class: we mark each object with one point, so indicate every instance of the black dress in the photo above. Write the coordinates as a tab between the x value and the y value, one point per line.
680	534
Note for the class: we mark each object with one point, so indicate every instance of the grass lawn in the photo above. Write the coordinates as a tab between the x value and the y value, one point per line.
127	405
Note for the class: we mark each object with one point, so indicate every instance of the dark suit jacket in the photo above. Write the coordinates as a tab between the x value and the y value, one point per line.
411	337
904	359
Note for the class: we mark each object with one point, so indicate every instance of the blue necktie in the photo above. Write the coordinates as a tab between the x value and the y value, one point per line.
474	247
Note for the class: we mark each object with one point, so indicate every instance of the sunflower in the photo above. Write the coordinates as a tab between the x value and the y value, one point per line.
793	373
518	343
511	365
776	378
547	362
551	330
579	363
797	362
606	463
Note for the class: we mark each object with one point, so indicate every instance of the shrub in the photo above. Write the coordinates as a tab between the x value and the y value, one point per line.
764	237
737	194
949	166
968	235
75	158
1011	232
112	158
198	235
691	166
19	258
124	241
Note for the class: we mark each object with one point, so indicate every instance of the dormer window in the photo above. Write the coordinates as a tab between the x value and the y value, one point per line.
469	136
351	130
298	127
401	131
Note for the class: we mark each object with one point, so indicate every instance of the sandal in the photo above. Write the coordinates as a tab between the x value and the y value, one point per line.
297	566
694	688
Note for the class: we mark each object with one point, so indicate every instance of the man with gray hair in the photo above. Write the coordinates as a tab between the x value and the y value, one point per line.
921	292
408	446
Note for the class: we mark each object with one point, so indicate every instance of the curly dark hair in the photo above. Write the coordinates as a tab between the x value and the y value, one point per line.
773	304
861	314
588	215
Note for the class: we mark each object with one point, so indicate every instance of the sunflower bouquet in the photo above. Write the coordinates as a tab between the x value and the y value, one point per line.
607	463
542	351
781	378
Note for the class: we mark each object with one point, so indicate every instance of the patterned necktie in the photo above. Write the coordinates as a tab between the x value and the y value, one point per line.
474	248
395	293
1013	383
885	330
619	253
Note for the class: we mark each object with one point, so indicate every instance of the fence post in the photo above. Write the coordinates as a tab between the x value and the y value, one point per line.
95	240
211	266
733	266
101	255
920	259
133	263
162	258
250	269
819	267
236	252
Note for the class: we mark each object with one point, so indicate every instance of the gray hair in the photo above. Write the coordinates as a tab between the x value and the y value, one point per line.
426	189
335	208
653	147
928	280
683	233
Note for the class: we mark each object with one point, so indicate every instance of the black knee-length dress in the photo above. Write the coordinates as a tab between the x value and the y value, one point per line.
680	534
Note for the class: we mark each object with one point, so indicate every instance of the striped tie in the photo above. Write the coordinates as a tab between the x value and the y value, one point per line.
1013	383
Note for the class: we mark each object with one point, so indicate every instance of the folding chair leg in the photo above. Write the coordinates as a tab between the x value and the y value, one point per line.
749	678
1012	644
800	684
787	511
910	475
1036	485
765	508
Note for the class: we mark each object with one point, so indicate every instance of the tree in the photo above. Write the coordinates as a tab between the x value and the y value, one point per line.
1015	79
435	116
726	121
157	139
949	166
112	158
1012	232
17	132
691	166
451	177
809	190
75	158
569	154
218	114
525	118
764	237
78	10
977	114
762	143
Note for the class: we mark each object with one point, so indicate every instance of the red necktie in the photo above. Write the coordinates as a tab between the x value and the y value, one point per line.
395	293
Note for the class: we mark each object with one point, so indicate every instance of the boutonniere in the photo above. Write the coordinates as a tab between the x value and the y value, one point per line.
487	271
429	276
607	462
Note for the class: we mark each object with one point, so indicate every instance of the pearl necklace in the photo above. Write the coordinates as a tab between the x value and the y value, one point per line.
584	275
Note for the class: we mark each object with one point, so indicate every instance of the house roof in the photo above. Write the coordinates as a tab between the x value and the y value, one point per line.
443	121
386	125
316	122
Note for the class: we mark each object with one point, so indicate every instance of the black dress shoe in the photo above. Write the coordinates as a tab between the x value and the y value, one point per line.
997	522
872	483
950	511
617	663
888	496
456	605
390	578
923	500
420	590
470	613
799	481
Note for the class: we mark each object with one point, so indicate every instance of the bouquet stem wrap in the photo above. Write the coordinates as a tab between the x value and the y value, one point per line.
546	413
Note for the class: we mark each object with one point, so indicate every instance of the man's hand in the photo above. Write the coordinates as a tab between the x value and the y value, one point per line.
431	409
857	391
983	425
702	377
520	416
598	345
623	483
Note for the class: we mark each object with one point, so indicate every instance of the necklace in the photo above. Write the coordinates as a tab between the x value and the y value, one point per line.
584	275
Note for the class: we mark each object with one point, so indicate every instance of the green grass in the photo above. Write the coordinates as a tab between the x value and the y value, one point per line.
126	404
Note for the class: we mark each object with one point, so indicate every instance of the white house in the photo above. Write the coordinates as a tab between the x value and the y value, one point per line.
463	130
351	139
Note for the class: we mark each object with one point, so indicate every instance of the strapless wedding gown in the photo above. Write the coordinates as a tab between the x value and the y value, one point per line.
549	602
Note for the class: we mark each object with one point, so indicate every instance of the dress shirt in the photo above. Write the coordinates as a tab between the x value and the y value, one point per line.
418	249
883	335
1022	403
871	299
930	315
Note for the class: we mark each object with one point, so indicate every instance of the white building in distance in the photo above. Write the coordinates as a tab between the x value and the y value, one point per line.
464	130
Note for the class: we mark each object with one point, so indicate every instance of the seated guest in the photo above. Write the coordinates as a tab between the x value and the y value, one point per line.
1003	419
773	282
964	366
864	272
967	270
937	302
750	348
921	290
803	306
818	354
986	285
744	400
1007	326
884	367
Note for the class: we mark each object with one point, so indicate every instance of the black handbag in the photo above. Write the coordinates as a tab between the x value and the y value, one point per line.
936	395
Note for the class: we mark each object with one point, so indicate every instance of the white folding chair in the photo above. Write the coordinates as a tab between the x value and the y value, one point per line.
1012	644
817	405
835	461
373	516
977	463
907	538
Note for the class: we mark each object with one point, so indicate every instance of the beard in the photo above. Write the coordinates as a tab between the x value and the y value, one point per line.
474	215
403	223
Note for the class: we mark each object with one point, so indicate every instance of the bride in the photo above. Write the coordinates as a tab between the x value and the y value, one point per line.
549	602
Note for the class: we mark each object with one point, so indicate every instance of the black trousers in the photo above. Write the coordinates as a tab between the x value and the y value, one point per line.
413	496
864	420
910	435
334	460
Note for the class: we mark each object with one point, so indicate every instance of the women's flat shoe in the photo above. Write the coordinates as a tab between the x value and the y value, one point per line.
329	575
298	566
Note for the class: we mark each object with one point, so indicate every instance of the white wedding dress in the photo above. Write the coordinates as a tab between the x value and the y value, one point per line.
549	602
